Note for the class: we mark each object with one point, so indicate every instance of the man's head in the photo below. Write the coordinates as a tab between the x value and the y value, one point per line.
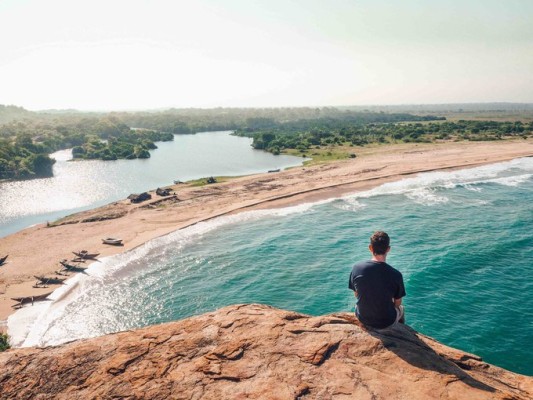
379	243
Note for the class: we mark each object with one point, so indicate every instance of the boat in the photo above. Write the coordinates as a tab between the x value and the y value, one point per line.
29	299
273	170
162	192
139	198
85	255
70	267
112	241
43	281
3	260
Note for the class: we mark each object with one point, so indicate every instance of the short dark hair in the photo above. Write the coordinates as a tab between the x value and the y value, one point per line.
380	242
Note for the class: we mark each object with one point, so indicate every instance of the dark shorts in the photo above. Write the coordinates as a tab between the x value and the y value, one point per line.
399	314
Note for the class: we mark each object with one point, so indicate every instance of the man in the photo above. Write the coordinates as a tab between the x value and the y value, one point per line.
378	287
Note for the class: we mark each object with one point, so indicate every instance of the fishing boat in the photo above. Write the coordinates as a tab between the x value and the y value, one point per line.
70	267
3	260
44	281
85	255
29	299
112	241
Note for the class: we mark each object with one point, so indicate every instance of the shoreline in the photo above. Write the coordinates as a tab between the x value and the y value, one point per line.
34	250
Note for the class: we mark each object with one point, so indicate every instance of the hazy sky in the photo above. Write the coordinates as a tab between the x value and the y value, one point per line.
132	54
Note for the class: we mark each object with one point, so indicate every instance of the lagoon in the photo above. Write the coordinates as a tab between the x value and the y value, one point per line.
82	185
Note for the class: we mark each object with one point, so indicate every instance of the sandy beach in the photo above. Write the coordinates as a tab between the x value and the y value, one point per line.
37	250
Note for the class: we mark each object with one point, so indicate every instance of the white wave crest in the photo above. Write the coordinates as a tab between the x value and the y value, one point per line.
514	181
350	204
423	188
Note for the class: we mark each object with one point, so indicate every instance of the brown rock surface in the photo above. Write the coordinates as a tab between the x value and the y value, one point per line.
256	352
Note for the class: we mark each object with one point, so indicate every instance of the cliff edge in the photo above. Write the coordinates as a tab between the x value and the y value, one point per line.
256	352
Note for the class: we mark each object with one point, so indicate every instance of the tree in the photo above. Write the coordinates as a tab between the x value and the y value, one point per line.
42	165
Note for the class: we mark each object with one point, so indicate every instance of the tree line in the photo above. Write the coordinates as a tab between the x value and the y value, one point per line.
27	138
25	145
304	135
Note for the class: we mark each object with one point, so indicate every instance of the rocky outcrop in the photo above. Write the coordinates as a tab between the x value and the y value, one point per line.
256	352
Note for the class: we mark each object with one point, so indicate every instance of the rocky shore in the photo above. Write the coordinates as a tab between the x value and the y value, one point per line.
256	352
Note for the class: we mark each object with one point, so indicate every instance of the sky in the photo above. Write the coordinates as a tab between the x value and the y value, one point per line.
150	54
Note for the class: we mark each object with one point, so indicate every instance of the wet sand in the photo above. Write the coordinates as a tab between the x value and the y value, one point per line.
37	250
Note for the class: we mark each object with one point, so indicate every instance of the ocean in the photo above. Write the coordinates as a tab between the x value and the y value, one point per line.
463	241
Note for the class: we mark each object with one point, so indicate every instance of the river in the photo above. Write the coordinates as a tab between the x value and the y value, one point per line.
81	185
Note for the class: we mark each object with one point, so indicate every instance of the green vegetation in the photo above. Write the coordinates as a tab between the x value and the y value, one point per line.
192	120
25	144
22	159
129	145
205	181
311	139
4	343
27	138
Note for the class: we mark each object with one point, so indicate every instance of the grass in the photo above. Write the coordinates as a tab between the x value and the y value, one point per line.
203	181
324	154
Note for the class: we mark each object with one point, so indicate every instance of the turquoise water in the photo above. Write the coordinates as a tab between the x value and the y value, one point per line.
463	241
81	185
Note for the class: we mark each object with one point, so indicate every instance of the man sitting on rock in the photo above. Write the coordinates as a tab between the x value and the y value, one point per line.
378	287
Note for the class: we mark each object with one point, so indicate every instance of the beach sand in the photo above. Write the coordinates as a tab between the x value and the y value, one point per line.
37	250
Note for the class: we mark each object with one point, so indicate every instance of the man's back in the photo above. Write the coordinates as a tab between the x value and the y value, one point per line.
376	284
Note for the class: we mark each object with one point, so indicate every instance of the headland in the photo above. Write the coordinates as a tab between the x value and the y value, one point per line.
257	352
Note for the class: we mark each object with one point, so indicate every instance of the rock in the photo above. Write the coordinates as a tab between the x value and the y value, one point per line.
256	352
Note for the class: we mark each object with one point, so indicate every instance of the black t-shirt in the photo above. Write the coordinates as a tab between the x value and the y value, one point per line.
376	283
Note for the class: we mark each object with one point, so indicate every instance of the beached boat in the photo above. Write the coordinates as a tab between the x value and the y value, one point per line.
85	255
29	299
70	267
3	260
139	198
163	192
44	281
112	241
273	170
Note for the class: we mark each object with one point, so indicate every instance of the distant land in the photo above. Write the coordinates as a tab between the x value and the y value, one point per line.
437	107
446	107
27	138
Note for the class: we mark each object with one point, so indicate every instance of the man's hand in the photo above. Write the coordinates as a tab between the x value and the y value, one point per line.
397	302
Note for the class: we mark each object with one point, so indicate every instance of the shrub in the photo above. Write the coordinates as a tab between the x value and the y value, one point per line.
4	343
